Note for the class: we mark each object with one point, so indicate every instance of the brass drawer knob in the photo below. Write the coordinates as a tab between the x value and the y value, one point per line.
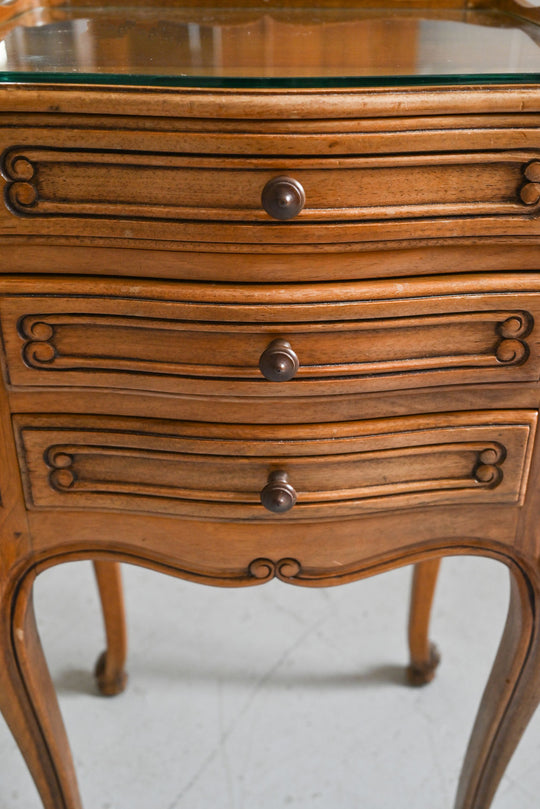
278	495
283	198
278	362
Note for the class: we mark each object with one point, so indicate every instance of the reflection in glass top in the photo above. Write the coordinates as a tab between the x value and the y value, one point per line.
176	44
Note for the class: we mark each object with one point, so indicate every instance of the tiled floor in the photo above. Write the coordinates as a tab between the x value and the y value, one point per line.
274	696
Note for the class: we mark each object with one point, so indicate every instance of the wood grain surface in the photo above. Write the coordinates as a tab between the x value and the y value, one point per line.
140	283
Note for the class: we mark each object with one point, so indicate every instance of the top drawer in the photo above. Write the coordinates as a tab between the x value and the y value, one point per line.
227	199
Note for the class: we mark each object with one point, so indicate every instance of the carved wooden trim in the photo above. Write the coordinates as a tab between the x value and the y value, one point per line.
62	459
41	348
290	570
137	467
265	569
21	192
487	470
266	105
530	190
62	477
512	348
93	184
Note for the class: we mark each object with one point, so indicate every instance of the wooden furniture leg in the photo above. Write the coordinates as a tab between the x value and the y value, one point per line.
510	698
424	656
110	671
28	700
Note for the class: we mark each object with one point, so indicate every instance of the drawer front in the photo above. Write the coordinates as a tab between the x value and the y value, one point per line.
219	472
379	337
218	198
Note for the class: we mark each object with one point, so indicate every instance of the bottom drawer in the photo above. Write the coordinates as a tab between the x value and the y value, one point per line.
221	472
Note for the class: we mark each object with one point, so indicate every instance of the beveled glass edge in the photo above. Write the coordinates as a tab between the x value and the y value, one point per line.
269	83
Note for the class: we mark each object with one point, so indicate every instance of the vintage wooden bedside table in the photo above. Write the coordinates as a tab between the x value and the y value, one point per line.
269	295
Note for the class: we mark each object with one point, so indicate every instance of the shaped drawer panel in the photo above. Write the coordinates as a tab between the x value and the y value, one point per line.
219	472
347	338
217	198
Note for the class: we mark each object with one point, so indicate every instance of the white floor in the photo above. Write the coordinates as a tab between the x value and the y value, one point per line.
273	696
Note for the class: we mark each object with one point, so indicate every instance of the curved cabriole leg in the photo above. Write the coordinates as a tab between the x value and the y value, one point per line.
28	701
509	701
110	672
424	655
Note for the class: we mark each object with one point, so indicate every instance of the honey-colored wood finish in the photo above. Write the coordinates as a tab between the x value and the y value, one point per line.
424	655
110	671
173	468
194	385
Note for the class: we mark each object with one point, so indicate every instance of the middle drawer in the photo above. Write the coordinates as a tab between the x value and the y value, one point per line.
264	341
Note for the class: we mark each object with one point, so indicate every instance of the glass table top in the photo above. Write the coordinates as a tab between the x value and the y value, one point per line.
268	44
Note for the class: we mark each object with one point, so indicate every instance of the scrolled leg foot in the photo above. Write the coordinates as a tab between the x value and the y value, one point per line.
422	673
110	680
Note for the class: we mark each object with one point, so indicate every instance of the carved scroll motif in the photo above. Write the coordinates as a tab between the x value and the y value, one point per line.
530	191
21	191
41	333
486	472
266	569
91	183
39	348
62	476
512	348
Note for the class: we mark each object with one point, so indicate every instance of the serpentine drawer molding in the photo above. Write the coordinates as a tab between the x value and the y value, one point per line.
268	324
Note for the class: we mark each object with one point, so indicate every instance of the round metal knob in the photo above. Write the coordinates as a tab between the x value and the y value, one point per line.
278	362
283	197
278	495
